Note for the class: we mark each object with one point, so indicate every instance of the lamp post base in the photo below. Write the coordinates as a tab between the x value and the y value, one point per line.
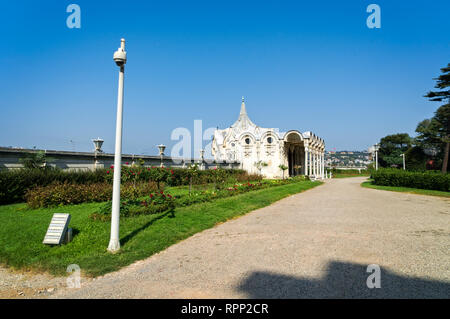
114	246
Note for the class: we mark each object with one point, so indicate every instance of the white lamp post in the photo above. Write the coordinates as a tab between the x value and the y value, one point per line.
120	57
161	148
376	147
202	157
98	142
404	164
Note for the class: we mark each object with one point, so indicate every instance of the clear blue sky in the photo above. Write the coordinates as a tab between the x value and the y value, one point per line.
300	65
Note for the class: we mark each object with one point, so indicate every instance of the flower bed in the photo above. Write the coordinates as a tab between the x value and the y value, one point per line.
155	203
14	184
160	202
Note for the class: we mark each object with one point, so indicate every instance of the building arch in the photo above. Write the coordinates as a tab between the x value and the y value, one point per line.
244	135
273	135
293	136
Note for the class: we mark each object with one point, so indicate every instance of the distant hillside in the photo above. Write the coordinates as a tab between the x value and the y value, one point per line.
348	158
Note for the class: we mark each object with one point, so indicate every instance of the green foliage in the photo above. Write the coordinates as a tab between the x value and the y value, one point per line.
58	194
219	176
34	160
283	168
442	82
335	171
391	147
438	130
423	180
192	173
15	183
419	191
23	229
415	159
159	201
259	165
155	203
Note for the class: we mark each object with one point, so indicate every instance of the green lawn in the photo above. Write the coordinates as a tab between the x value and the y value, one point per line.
419	191
22	231
339	175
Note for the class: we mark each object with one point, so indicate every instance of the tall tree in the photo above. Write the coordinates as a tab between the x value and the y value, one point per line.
391	147
440	123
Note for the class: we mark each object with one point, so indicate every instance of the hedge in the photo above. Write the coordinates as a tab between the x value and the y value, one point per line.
58	194
413	179
15	183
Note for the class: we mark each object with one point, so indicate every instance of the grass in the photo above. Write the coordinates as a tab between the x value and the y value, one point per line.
340	175
22	231
419	191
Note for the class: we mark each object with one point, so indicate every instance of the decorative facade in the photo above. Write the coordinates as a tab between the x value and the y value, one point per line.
264	150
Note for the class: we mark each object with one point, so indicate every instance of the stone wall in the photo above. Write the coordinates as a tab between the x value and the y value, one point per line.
9	159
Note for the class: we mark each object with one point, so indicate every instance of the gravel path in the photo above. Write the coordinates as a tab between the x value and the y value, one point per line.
19	284
310	245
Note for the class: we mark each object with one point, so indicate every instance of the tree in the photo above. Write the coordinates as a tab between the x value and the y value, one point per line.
259	165
440	124
391	147
416	159
34	160
283	168
192	172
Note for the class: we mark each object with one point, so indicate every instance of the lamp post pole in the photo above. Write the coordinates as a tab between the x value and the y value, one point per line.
376	156
120	57
202	158
404	164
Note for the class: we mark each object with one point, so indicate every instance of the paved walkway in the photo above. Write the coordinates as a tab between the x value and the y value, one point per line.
310	245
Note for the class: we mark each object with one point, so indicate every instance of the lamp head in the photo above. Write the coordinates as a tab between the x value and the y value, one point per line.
120	56
98	142
161	148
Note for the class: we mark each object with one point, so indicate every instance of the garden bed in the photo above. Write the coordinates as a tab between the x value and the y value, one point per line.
161	201
22	231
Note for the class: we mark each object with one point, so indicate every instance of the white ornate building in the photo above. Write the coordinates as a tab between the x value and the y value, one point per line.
263	150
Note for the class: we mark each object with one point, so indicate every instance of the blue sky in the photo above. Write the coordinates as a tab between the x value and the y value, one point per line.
300	65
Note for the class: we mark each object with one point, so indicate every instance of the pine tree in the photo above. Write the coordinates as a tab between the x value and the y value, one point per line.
442	114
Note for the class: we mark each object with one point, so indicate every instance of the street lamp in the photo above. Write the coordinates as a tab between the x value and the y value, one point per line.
202	157
376	147
120	57
98	142
404	164
161	148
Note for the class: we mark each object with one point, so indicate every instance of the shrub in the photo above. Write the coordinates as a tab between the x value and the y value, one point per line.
160	202
423	180
155	203
15	183
58	193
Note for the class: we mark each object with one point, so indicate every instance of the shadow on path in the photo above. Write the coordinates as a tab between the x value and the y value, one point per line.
343	280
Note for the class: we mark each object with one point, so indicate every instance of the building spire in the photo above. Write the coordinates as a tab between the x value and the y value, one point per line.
243	111
243	122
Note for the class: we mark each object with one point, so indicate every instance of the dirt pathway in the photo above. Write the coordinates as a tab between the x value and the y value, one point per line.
310	245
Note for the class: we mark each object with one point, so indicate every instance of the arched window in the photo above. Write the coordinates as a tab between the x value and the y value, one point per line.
269	140
247	140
